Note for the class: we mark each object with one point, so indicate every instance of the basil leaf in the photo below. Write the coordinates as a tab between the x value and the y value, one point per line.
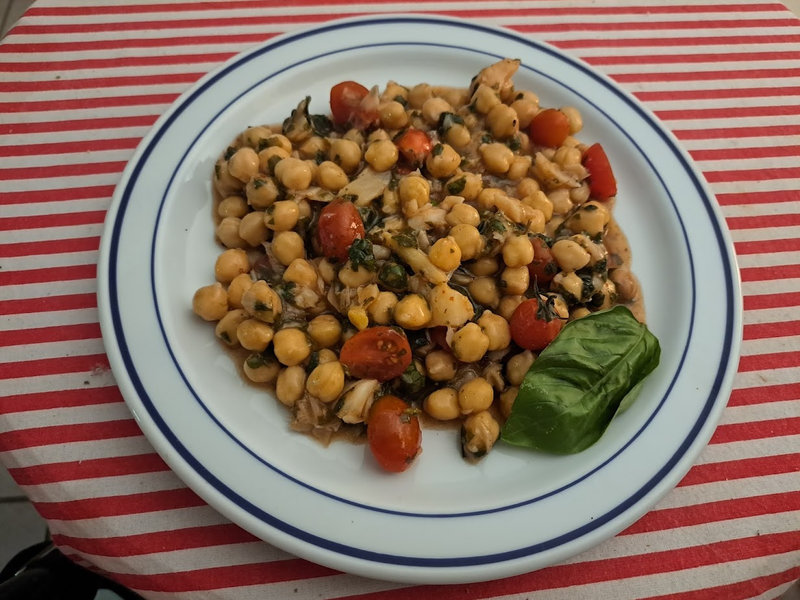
580	381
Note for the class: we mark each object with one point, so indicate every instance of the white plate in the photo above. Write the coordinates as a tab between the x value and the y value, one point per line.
443	520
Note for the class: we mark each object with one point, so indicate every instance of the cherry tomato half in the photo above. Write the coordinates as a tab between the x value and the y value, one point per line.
543	267
380	353
393	433
345	100
549	128
530	327
414	146
338	227
602	183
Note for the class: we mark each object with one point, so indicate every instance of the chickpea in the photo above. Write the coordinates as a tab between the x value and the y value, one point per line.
326	270
580	194
485	265
443	161
484	290
507	398
381	309
560	200
418	94
569	255
449	307
354	135
262	302
280	141
591	218
475	395
261	191
517	251
525	110
243	164
255	136
479	432
440	365
291	346
626	284
293	173
519	167
301	272
518	365
469	240
470	343
252	229
412	312
503	121
260	369
313	147
269	157
326	355
569	284
325	331
326	381
541	202
392	115
210	302
458	136
414	192
442	404
496	329
236	289
232	206
574	118
579	313
254	334
491	197
288	245
345	153
567	157
353	279
230	263
433	108
463	213
225	183
290	384
228	233
484	99
508	304
331	176
282	216
445	253
496	157
381	155
515	280
473	184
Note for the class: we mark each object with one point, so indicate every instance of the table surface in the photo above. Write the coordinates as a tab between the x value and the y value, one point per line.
83	82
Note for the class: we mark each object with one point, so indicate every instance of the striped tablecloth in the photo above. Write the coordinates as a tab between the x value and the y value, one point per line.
81	83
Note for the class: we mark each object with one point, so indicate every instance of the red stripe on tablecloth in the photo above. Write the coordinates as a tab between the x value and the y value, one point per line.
737	432
64	273
718	93
65	434
768	197
654	24
742	468
78	124
91	192
770	273
85	103
134	81
610	569
52	220
53	366
60	399
773	360
72	147
744	153
50	247
718	75
763	394
767	246
213	578
697	57
48	304
69	170
741	590
94	468
112	63
762	174
161	541
730	41
710	512
730	112
760	331
736	132
759	221
46	335
114	506
779	300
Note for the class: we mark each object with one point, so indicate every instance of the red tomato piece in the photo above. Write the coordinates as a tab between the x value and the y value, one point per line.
393	433
533	325
414	146
345	100
602	183
380	353
338	227
549	128
543	267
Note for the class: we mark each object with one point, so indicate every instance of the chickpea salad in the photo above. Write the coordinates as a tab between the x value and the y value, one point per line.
404	259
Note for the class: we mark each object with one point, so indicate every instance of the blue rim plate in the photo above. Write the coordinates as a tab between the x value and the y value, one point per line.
443	520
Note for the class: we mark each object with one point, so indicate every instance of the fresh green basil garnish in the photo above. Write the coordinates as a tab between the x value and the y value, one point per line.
578	383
